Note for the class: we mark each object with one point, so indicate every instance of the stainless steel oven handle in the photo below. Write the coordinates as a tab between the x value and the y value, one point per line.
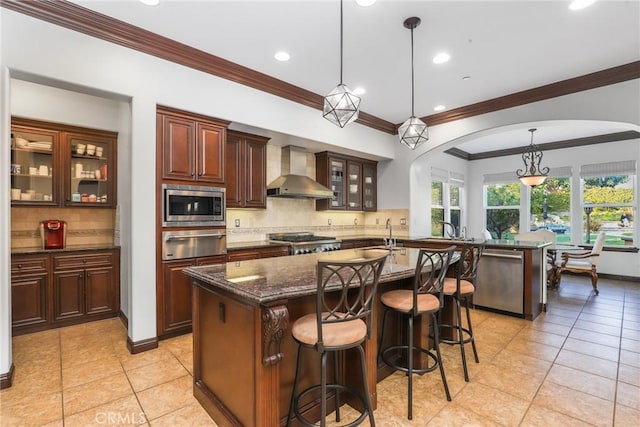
194	236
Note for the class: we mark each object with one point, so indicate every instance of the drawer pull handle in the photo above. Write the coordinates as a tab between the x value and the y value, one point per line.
84	261
19	266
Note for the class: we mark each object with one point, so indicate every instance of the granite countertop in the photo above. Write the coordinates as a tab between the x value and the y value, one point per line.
491	243
264	280
68	248
253	245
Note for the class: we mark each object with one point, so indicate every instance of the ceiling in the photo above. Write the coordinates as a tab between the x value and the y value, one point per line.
504	47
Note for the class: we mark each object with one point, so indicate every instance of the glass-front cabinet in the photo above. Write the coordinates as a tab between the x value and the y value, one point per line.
90	180
34	159
337	183
60	165
352	180
354	186
369	190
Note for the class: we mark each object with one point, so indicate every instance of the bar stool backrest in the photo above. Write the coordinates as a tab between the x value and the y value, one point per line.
431	269
467	266
346	290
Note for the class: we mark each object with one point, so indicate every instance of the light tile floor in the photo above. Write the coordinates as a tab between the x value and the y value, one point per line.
578	364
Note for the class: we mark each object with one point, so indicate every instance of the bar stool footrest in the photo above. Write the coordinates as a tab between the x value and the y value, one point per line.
364	414
466	338
398	367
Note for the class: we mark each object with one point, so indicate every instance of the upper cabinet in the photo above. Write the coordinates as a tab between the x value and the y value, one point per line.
246	170
59	165
192	146
353	182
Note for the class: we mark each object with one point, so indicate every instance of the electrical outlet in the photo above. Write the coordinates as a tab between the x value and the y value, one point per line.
237	222
403	221
377	221
355	221
329	221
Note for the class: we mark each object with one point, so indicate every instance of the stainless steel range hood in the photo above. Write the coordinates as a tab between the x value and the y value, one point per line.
294	183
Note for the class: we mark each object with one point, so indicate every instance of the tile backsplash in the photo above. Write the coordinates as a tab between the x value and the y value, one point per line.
84	226
288	215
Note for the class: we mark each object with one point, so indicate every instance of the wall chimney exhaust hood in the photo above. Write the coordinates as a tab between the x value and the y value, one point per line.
294	183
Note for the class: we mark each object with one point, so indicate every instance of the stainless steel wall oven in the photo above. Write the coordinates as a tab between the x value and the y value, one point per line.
190	205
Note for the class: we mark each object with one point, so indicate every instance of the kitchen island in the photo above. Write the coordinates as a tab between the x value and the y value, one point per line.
244	355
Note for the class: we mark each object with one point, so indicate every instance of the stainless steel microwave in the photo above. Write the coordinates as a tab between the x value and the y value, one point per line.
190	205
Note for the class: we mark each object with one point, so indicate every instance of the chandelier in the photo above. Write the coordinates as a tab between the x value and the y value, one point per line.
532	174
413	132
341	105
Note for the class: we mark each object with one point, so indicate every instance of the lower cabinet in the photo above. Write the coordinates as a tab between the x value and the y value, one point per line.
29	286
174	296
65	288
255	253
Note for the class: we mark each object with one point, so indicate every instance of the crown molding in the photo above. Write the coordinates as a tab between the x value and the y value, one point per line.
556	145
86	21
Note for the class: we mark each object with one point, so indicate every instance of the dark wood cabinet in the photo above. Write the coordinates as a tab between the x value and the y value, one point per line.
29	285
192	147
256	253
246	167
61	289
353	181
174	297
360	243
59	165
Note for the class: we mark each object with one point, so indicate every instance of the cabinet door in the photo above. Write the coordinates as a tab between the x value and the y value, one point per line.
338	168
68	295
176	297
234	176
34	159
369	187
210	153
99	290
90	178
354	186
178	142
255	153
28	299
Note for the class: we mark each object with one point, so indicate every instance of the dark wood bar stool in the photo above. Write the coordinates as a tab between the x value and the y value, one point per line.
342	321
461	288
426	298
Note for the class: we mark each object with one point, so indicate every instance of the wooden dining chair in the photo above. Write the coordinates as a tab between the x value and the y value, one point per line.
583	262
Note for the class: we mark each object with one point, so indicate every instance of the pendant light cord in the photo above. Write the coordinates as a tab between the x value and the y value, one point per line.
340	41
412	88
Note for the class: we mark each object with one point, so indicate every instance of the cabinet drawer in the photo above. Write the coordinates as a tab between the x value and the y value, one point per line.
81	261
22	265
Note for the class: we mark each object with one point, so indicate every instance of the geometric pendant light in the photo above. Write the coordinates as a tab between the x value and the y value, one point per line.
341	105
532	174
413	132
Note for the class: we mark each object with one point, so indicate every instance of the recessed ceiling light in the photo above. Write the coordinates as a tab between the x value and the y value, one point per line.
150	2
441	58
359	91
282	56
439	108
466	78
580	4
365	3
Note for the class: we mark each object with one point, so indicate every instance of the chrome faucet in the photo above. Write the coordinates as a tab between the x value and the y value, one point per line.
453	232
390	242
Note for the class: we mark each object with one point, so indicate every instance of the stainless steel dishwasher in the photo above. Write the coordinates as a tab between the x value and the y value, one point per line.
500	281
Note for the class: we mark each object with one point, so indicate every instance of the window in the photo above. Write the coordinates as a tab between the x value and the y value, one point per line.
551	204
608	202
502	205
447	190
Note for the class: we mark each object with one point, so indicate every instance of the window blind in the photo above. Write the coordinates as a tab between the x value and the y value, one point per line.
561	172
500	178
438	174
456	179
625	167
